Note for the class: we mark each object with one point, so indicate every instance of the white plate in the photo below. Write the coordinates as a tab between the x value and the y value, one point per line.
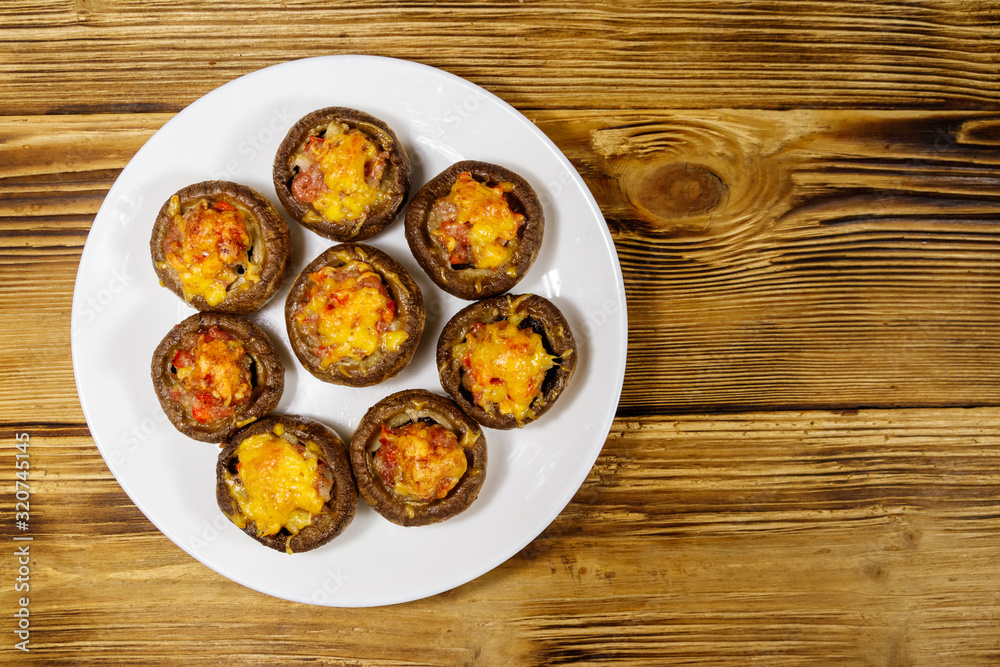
120	313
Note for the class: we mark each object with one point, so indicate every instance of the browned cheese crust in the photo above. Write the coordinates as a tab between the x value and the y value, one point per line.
381	365
267	372
337	514
543	318
271	245
399	409
395	179
469	282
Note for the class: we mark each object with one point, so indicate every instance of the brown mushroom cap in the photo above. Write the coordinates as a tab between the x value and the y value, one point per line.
543	318
337	514
271	245
399	409
380	365
469	282
267	372
395	179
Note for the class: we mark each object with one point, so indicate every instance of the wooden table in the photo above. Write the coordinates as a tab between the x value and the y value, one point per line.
805	199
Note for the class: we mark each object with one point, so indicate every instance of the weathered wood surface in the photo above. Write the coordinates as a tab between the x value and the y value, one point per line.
773	259
802	258
549	54
804	197
759	538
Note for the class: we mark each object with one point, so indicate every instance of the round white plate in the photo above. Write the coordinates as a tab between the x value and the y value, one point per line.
120	313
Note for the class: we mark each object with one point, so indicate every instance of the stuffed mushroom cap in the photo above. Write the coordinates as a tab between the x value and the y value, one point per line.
342	173
221	247
418	458
286	481
475	228
507	359
214	373
354	316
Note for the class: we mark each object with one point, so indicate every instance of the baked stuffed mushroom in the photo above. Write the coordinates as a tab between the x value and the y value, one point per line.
342	173
215	373
505	360
221	247
418	459
354	316
475	228
286	481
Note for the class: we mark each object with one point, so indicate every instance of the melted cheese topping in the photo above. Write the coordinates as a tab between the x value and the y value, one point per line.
206	246
477	224
393	340
213	375
277	485
504	366
351	166
348	314
420	461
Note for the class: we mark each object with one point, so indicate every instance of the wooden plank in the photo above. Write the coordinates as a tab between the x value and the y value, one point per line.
544	54
772	259
800	258
54	174
758	538
56	171
36	365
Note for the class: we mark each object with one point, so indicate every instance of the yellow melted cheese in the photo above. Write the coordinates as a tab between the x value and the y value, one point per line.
206	248
279	484
393	340
349	315
492	224
505	366
350	196
429	462
213	376
217	370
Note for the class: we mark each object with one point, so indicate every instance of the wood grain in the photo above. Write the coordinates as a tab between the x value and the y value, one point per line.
54	174
801	259
537	54
760	538
804	201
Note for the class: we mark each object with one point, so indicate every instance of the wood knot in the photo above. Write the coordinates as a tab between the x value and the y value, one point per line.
876	571
674	197
704	181
676	190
